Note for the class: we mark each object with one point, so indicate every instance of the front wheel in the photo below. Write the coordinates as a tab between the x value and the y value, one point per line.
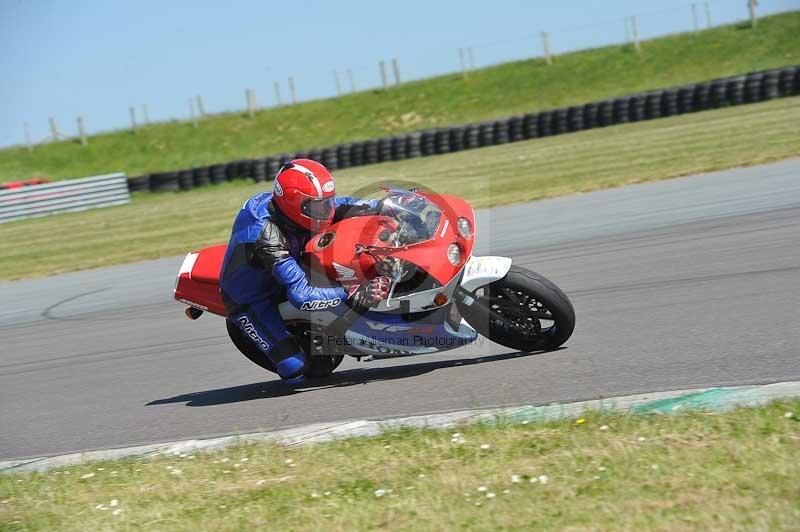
523	310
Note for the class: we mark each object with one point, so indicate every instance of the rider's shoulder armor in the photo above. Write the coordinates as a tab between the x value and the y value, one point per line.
270	247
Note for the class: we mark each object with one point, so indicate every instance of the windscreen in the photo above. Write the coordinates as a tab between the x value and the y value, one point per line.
418	218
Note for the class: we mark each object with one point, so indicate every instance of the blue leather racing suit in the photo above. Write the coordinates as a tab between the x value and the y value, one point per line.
260	266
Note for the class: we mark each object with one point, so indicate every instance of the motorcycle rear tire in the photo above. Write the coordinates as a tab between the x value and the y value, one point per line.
536	286
248	348
319	366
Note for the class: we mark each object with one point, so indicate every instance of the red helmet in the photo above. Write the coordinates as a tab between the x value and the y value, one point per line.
304	193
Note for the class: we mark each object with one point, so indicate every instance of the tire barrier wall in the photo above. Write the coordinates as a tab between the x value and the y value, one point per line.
735	90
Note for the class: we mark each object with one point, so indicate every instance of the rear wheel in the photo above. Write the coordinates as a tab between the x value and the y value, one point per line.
523	310
246	346
320	365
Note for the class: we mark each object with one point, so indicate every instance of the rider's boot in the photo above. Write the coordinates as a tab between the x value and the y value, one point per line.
292	366
289	358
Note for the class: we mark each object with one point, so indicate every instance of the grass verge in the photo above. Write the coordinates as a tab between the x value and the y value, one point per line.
700	471
160	225
510	88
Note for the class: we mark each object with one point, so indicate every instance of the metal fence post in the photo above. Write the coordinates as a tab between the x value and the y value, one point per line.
292	89
352	80
81	131
278	93
396	70
192	113
201	105
635	30
546	46
384	79
133	120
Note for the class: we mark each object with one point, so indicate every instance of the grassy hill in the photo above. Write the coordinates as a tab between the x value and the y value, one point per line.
500	90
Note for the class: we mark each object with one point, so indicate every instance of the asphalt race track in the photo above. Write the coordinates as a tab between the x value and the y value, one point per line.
684	283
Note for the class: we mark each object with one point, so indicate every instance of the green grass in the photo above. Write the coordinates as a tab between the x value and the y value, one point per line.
501	90
698	471
161	225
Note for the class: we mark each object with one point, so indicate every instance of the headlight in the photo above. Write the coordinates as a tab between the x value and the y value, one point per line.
464	227
454	254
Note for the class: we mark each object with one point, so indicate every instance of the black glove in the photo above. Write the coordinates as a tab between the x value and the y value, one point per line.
371	294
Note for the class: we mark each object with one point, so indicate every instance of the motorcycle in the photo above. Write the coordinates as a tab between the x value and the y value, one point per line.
441	297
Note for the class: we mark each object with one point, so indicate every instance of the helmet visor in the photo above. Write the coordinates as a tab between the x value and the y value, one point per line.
317	209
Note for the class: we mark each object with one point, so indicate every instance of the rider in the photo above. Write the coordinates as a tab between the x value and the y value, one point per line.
261	261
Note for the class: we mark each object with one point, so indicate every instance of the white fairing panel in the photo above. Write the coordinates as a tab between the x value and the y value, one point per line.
480	271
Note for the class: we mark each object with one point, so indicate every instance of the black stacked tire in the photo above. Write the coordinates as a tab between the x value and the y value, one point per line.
500	132
399	148
515	129
797	81
384	149
734	90
259	170
413	145
315	154
456	138
686	99
636	108
769	85
201	176
139	183
752	87
284	158
716	96
786	81
702	99
232	171
621	115
472	136
545	123
300	155
164	182
605	113
560	124
370	151
442	140
356	154
329	159
218	173
185	181
273	165
590	116
669	102
652	105
530	125
427	143
575	118
343	155
486	133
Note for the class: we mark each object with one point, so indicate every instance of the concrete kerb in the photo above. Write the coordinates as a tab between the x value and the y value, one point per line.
703	399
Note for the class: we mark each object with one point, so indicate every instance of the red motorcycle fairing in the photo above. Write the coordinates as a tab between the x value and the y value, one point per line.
343	254
198	280
339	254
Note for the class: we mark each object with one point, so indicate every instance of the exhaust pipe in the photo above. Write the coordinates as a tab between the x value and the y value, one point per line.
193	313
